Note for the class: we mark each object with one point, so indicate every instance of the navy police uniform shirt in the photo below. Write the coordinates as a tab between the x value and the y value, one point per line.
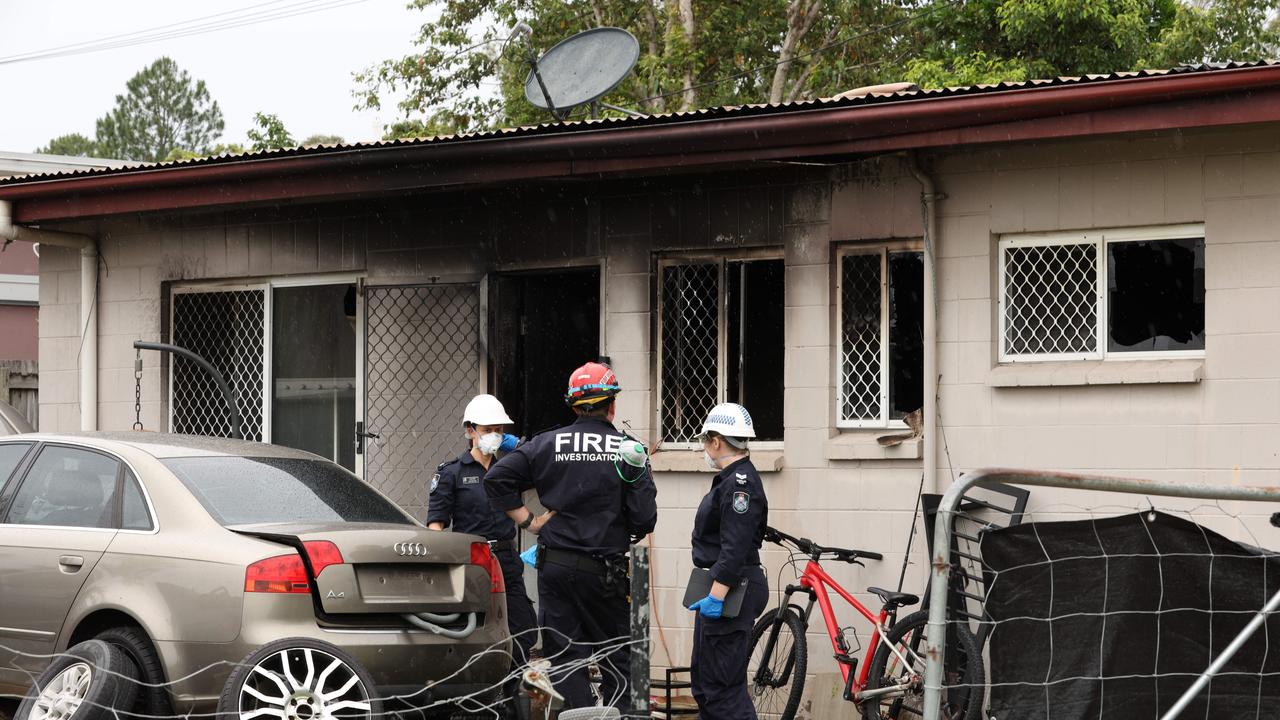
573	469
458	499
729	527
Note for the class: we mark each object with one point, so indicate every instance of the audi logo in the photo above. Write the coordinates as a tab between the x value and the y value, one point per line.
410	549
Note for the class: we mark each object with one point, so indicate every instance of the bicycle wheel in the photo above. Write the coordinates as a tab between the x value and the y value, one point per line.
964	675
776	681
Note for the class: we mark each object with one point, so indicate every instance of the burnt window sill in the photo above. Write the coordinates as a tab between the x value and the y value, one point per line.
766	461
1096	372
862	445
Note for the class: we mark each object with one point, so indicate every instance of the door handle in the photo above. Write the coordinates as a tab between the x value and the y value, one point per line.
70	563
361	435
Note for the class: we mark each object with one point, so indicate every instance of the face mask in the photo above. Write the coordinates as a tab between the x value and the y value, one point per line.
489	443
711	462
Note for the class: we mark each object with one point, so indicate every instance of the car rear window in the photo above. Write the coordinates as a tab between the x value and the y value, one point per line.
243	491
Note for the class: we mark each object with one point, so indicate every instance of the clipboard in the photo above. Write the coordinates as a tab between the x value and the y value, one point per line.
700	586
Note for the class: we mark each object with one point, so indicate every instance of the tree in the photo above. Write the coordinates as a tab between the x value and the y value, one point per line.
270	133
74	144
219	149
162	110
693	53
322	139
700	53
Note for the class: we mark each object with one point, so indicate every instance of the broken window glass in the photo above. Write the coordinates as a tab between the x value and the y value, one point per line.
881	307
1155	295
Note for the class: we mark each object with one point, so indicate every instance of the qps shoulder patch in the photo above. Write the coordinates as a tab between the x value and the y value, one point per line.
435	482
741	501
471	480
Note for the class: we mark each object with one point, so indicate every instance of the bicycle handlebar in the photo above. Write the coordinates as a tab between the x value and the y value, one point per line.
814	550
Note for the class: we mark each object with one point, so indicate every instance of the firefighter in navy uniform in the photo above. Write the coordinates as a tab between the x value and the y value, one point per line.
728	531
458	499
595	511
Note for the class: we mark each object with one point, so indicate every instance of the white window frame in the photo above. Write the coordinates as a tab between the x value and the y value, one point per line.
721	260
1100	239
266	286
883	250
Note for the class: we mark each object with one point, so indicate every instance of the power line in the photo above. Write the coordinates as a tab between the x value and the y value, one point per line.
803	56
187	28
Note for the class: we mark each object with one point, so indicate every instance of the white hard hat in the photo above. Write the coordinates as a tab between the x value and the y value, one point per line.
485	410
730	420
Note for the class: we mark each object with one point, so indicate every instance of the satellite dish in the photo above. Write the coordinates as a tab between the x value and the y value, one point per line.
580	70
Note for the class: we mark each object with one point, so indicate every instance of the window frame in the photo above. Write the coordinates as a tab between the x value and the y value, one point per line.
883	249
1101	239
721	259
122	465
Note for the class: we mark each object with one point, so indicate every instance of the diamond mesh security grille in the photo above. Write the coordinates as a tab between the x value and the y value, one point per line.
860	338
1050	299
227	328
690	348
421	369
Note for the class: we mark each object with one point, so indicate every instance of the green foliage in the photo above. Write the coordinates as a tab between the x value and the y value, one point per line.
700	53
74	144
322	139
269	134
219	149
163	109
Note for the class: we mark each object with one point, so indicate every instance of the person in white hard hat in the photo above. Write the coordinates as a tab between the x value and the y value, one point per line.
458	500
727	534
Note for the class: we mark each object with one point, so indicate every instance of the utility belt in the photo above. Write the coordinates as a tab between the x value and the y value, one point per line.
615	570
502	545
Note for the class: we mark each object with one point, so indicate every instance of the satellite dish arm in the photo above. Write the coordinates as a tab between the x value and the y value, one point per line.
533	63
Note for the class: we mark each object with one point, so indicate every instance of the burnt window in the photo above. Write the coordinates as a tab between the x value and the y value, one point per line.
881	321
721	341
1097	295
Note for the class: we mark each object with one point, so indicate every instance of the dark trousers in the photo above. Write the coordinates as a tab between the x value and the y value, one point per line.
720	654
580	619
523	625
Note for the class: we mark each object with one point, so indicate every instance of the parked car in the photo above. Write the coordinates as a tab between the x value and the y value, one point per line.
191	555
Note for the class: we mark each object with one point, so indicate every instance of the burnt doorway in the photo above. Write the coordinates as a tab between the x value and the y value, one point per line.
542	325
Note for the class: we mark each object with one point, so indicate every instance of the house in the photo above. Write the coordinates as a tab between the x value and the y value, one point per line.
1081	271
20	283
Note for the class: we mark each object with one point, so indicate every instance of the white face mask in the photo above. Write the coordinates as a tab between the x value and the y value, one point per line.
489	443
711	462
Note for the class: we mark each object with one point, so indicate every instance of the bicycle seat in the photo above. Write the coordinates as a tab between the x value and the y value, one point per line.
894	599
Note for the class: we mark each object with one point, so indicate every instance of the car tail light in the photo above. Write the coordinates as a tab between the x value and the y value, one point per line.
322	554
481	555
280	574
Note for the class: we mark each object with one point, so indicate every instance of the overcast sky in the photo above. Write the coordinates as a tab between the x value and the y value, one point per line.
297	67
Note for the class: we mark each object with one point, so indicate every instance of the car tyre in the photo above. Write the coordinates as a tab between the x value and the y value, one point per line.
303	679
152	699
90	681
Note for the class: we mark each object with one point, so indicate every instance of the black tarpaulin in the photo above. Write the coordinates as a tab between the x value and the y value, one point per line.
1116	617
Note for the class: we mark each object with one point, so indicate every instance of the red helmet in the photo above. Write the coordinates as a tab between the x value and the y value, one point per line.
591	384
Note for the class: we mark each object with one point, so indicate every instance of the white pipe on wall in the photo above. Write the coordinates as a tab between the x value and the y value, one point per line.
88	324
929	197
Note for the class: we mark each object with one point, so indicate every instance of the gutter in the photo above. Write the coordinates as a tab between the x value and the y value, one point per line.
88	325
653	145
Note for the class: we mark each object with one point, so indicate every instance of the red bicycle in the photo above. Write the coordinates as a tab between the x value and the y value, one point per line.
891	685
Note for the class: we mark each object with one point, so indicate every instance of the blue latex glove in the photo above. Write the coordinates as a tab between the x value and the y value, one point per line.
509	443
530	556
709	606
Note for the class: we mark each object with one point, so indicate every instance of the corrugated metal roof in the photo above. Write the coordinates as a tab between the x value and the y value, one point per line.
622	123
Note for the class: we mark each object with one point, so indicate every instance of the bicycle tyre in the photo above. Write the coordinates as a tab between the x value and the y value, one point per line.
966	675
791	664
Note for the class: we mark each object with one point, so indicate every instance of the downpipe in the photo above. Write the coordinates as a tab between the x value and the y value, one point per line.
430	622
88	316
929	197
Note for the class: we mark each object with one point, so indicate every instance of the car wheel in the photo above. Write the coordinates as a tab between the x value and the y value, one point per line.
90	681
152	697
299	679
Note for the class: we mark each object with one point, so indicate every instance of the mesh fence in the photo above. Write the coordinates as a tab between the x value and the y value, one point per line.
1050	299
860	338
421	354
690	348
227	328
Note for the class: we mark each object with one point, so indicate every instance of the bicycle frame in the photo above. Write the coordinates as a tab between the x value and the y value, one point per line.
814	582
